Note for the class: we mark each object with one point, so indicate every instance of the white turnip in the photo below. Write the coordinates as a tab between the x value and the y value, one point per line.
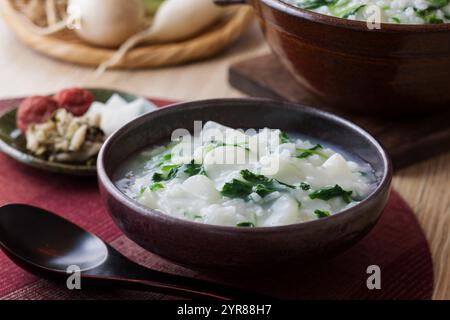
108	23
175	20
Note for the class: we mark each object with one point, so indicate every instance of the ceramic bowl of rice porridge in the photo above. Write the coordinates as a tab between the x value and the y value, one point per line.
222	184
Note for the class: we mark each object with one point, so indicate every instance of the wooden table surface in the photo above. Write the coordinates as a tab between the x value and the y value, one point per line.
426	186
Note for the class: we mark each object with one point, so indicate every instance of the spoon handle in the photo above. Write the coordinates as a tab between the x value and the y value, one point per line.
213	292
119	272
144	279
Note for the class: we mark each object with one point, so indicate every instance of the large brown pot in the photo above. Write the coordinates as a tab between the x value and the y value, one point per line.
398	69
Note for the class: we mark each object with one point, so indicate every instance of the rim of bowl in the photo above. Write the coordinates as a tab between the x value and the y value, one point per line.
290	9
111	188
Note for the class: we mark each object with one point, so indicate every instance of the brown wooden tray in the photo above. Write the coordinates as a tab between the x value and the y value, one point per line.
408	140
66	46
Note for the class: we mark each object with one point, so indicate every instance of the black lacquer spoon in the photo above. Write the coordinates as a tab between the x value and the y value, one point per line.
46	245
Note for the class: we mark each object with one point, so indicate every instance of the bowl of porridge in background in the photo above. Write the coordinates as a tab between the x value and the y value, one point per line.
390	69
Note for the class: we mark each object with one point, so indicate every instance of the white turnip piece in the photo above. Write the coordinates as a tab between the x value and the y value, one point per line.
175	20
108	23
180	19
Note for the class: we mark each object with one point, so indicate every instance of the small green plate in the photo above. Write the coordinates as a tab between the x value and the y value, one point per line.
13	143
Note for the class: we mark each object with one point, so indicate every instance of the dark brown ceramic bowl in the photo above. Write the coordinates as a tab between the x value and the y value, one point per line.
396	70
229	248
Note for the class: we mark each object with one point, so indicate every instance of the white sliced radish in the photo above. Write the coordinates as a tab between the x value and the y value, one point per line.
219	215
280	168
223	162
285	210
201	187
149	199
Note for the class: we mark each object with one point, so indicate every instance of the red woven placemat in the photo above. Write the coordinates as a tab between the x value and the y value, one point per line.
397	245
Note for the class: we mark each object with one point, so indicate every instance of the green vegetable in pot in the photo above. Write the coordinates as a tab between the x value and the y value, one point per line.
245	224
314	4
258	184
152	6
429	16
284	138
330	193
322	213
437	4
305	153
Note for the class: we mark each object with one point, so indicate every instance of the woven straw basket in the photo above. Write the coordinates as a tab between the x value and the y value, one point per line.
65	45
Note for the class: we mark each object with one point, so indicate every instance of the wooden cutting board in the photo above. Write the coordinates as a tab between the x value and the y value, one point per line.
408	140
